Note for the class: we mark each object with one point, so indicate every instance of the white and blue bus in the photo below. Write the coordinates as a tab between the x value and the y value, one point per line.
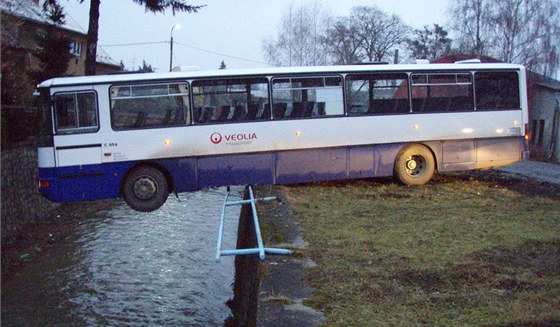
144	136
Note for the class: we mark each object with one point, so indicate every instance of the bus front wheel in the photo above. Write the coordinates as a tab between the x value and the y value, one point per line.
145	189
415	165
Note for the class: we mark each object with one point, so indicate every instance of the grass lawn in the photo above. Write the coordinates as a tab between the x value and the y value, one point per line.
469	249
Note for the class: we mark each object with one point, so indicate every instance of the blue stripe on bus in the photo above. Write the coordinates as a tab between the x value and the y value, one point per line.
92	182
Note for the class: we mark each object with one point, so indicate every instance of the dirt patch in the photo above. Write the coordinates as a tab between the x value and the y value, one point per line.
36	238
499	269
521	185
550	322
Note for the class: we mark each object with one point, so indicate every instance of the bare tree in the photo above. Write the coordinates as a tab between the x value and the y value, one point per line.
528	32
472	21
343	44
300	39
379	32
518	31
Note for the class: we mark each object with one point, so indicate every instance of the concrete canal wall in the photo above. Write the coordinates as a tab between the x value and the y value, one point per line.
272	292
246	284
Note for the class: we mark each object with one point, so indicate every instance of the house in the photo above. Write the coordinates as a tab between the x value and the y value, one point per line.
544	110
544	117
22	20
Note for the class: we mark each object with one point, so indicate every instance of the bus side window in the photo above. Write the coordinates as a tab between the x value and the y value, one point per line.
75	112
149	105
229	100
306	97
442	92
377	94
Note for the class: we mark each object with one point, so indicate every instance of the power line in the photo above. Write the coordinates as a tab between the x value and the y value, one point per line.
132	44
222	54
186	46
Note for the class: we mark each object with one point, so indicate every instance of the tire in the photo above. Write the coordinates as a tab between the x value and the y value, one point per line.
145	189
415	165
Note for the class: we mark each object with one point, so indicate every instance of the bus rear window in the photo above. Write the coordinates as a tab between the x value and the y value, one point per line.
149	105
497	91
75	112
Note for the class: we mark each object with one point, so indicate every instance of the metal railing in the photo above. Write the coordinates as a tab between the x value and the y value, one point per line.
260	249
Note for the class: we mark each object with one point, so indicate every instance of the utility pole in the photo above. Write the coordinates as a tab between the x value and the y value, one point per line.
171	46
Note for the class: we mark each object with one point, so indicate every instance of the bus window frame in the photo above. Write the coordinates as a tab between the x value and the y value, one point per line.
498	71
74	130
227	83
359	76
188	103
428	84
46	125
325	86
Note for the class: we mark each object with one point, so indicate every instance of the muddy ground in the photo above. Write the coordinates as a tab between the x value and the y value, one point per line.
36	238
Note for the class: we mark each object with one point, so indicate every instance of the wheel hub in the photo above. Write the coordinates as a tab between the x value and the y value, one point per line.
145	188
411	164
415	165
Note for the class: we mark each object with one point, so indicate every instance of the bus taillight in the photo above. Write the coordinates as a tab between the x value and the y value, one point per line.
44	184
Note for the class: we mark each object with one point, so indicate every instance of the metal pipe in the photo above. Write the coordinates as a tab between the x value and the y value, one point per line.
267	199
221	228
257	227
255	251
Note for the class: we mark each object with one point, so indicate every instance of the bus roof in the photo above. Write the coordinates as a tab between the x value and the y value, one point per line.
135	77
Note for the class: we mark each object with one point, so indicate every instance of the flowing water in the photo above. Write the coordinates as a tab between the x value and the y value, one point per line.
124	268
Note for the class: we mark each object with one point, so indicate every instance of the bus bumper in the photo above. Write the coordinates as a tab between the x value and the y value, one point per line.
80	183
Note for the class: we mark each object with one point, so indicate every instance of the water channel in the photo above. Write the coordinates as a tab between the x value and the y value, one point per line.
124	268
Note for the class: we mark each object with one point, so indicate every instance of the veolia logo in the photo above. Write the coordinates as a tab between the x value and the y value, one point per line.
233	139
216	138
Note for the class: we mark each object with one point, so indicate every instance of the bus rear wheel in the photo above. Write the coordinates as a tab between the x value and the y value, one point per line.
145	189
415	165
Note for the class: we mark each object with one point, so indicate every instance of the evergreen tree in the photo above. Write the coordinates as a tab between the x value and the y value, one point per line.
146	68
430	43
53	48
13	86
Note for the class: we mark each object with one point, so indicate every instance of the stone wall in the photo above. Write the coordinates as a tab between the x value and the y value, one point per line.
21	202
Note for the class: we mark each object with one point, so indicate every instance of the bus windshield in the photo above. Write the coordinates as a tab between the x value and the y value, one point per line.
45	115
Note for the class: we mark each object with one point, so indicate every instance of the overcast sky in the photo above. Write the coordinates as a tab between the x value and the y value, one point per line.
224	27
